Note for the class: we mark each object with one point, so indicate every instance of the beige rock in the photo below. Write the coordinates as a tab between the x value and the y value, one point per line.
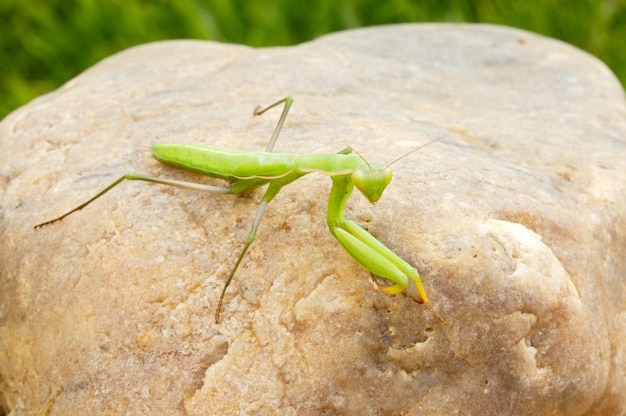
516	219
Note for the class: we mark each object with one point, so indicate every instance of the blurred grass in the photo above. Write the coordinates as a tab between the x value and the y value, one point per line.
44	44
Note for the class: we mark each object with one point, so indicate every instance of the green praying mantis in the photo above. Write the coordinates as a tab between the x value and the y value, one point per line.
247	170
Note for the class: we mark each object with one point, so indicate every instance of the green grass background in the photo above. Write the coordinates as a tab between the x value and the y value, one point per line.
44	44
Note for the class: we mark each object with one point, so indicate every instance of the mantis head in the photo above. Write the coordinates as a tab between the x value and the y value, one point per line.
371	179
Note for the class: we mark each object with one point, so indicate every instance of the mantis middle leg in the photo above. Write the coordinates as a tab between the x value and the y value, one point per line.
273	189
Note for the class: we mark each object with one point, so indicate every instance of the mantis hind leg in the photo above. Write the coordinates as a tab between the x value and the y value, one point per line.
141	177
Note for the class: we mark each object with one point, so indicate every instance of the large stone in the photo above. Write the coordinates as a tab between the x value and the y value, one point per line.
516	218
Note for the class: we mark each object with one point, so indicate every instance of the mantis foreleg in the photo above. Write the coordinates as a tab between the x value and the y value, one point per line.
370	253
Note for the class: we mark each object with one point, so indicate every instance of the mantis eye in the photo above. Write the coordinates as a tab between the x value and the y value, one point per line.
371	180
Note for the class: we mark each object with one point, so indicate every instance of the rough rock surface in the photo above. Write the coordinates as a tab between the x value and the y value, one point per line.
516	219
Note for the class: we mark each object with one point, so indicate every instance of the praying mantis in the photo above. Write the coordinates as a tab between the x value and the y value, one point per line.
246	170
